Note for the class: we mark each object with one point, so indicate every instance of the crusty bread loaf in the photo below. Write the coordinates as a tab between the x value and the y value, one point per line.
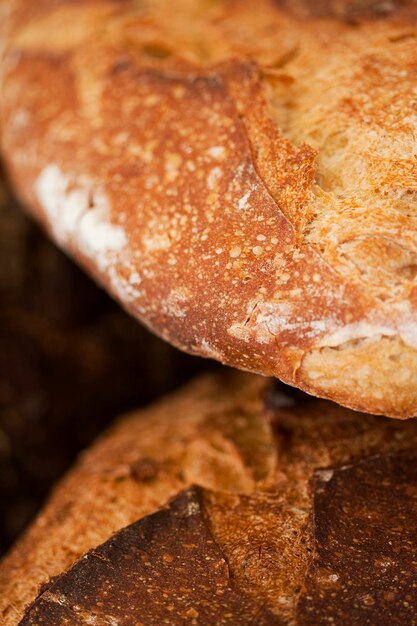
284	510
240	175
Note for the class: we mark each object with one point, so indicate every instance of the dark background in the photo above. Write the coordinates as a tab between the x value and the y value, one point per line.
70	361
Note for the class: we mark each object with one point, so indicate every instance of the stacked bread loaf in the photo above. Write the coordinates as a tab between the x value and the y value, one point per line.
229	503
242	178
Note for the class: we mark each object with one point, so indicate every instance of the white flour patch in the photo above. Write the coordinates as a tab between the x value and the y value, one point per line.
98	238
359	330
78	213
408	333
63	205
380	323
267	320
174	304
218	152
243	202
213	177
125	288
210	351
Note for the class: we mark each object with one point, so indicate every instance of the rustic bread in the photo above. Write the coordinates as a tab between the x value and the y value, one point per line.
284	510
240	175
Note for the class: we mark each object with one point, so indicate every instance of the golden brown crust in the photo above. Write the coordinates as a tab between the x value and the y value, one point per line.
259	458
240	176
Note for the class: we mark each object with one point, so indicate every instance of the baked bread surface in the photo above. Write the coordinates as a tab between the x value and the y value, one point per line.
283	509
240	175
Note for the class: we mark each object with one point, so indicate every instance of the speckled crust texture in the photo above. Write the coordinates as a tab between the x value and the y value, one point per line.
261	459
240	175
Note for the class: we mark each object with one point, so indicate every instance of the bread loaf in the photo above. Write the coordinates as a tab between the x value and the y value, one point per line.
240	175
232	503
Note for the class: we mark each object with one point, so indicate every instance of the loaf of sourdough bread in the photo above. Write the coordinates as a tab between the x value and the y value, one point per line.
227	503
240	175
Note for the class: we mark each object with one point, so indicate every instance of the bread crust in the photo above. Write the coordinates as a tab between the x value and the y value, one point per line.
278	476
241	178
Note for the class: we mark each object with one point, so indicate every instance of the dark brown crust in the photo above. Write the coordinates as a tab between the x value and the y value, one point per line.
164	569
364	566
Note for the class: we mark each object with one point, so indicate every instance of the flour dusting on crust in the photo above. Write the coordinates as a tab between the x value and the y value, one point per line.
79	214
